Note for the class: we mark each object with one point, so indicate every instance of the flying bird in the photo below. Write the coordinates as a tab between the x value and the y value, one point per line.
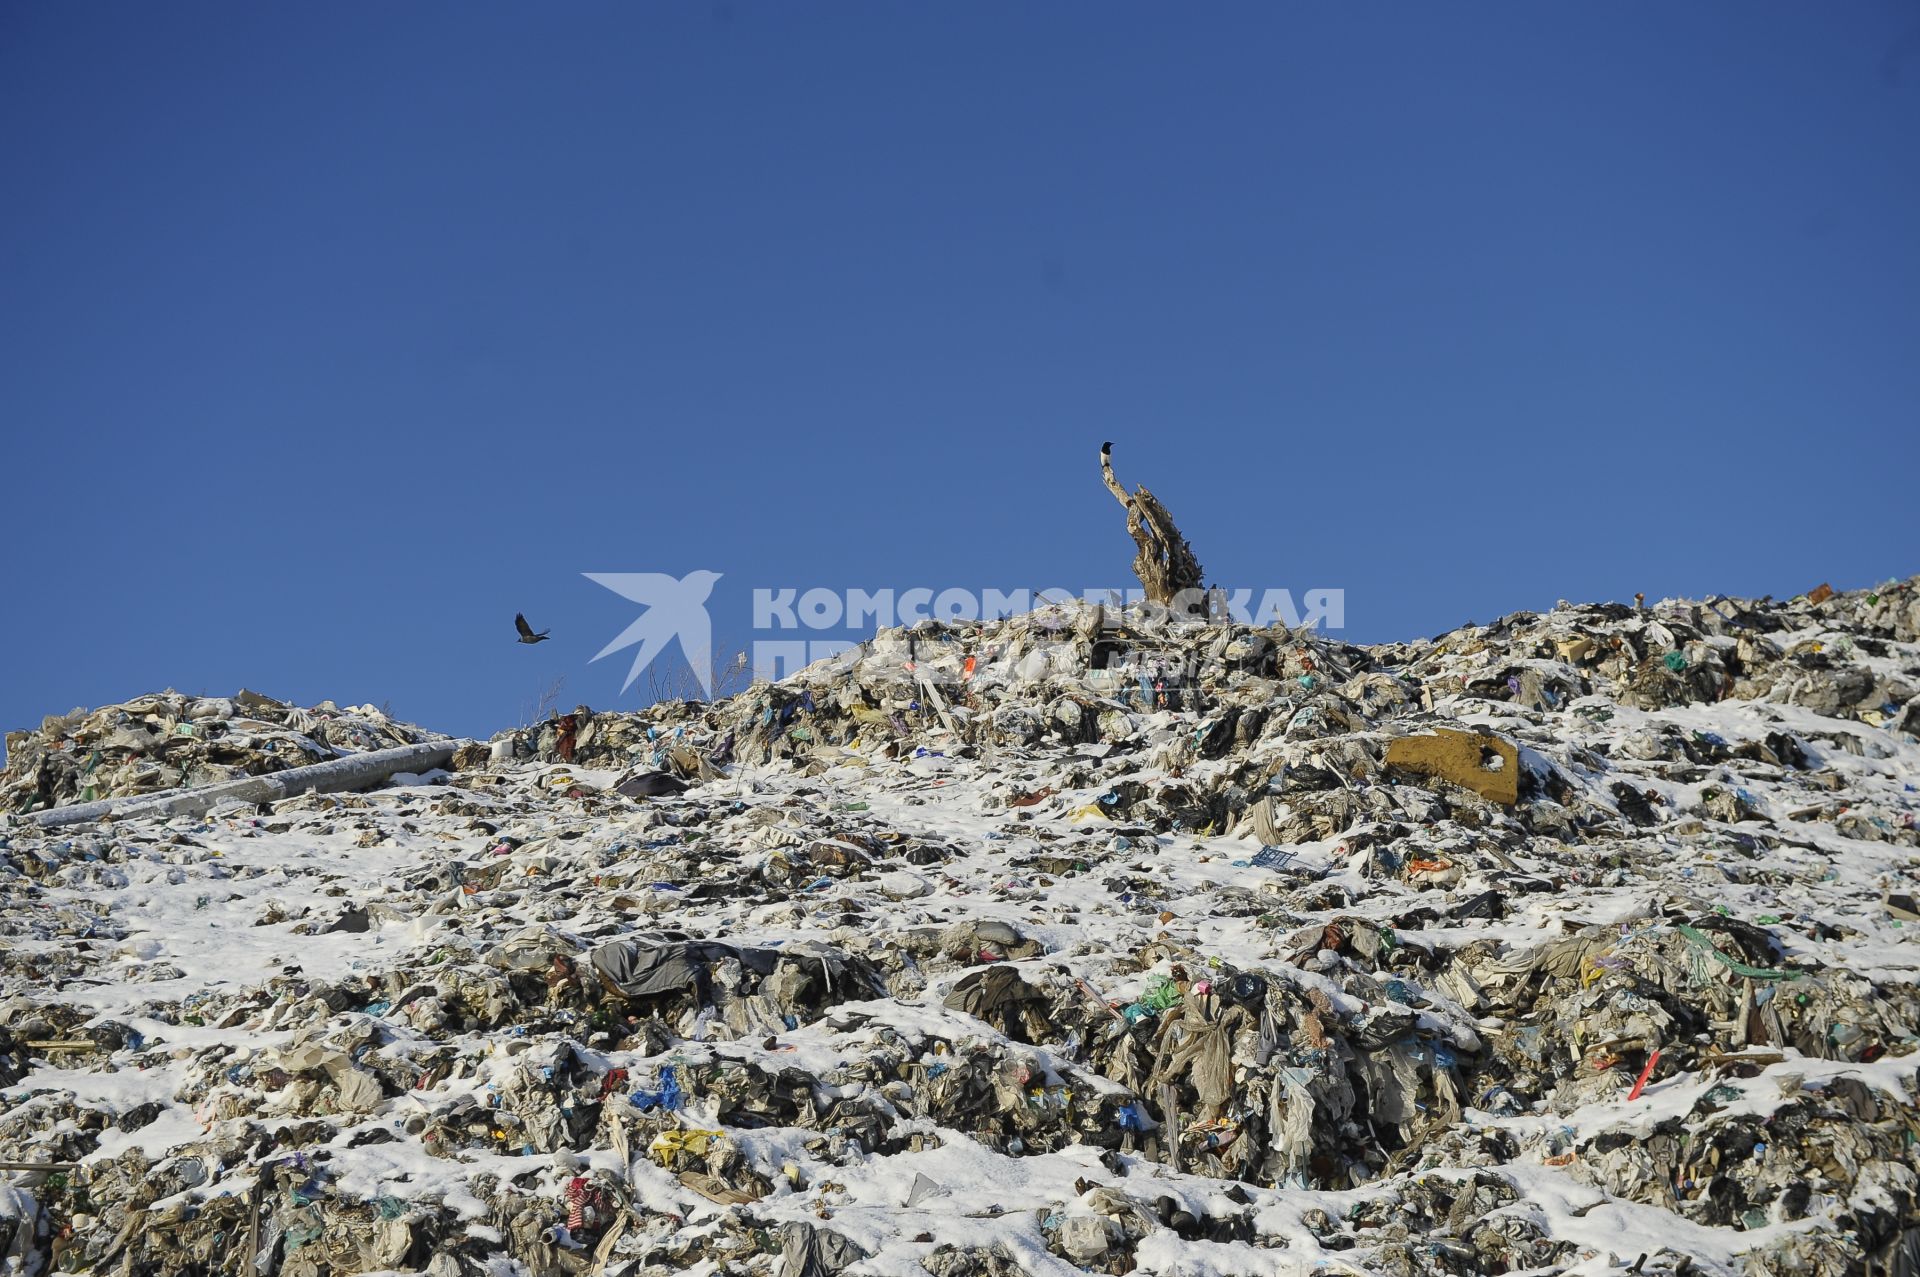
526	631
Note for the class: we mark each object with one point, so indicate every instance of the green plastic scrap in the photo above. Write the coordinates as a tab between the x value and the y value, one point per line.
1161	994
1701	941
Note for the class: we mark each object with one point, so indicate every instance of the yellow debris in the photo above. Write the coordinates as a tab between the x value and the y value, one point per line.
1482	762
670	1148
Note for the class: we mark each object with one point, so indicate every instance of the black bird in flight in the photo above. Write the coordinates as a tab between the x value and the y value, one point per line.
526	631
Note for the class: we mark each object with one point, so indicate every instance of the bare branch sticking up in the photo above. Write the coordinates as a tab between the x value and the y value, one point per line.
1165	564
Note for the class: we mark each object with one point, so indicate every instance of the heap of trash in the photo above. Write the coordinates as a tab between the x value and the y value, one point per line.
168	742
1090	940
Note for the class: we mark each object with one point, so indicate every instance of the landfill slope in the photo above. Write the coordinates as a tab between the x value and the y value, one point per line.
1578	942
167	742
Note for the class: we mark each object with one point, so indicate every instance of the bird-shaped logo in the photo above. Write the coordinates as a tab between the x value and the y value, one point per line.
676	609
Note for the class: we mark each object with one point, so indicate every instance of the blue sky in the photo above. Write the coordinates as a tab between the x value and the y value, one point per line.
330	336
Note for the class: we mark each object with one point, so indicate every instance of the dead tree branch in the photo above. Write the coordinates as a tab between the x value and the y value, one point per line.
1165	564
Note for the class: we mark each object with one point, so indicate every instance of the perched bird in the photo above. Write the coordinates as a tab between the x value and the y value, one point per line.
526	631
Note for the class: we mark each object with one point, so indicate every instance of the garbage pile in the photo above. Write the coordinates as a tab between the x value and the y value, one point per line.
160	743
1086	941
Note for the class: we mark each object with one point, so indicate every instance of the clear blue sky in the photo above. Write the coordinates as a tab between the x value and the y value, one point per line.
331	335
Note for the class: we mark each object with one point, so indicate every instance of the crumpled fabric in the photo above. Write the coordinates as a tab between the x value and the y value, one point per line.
642	967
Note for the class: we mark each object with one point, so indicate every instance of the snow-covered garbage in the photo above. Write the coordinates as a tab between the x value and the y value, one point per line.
1581	941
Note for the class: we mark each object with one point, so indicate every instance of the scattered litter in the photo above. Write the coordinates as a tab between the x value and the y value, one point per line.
1085	938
